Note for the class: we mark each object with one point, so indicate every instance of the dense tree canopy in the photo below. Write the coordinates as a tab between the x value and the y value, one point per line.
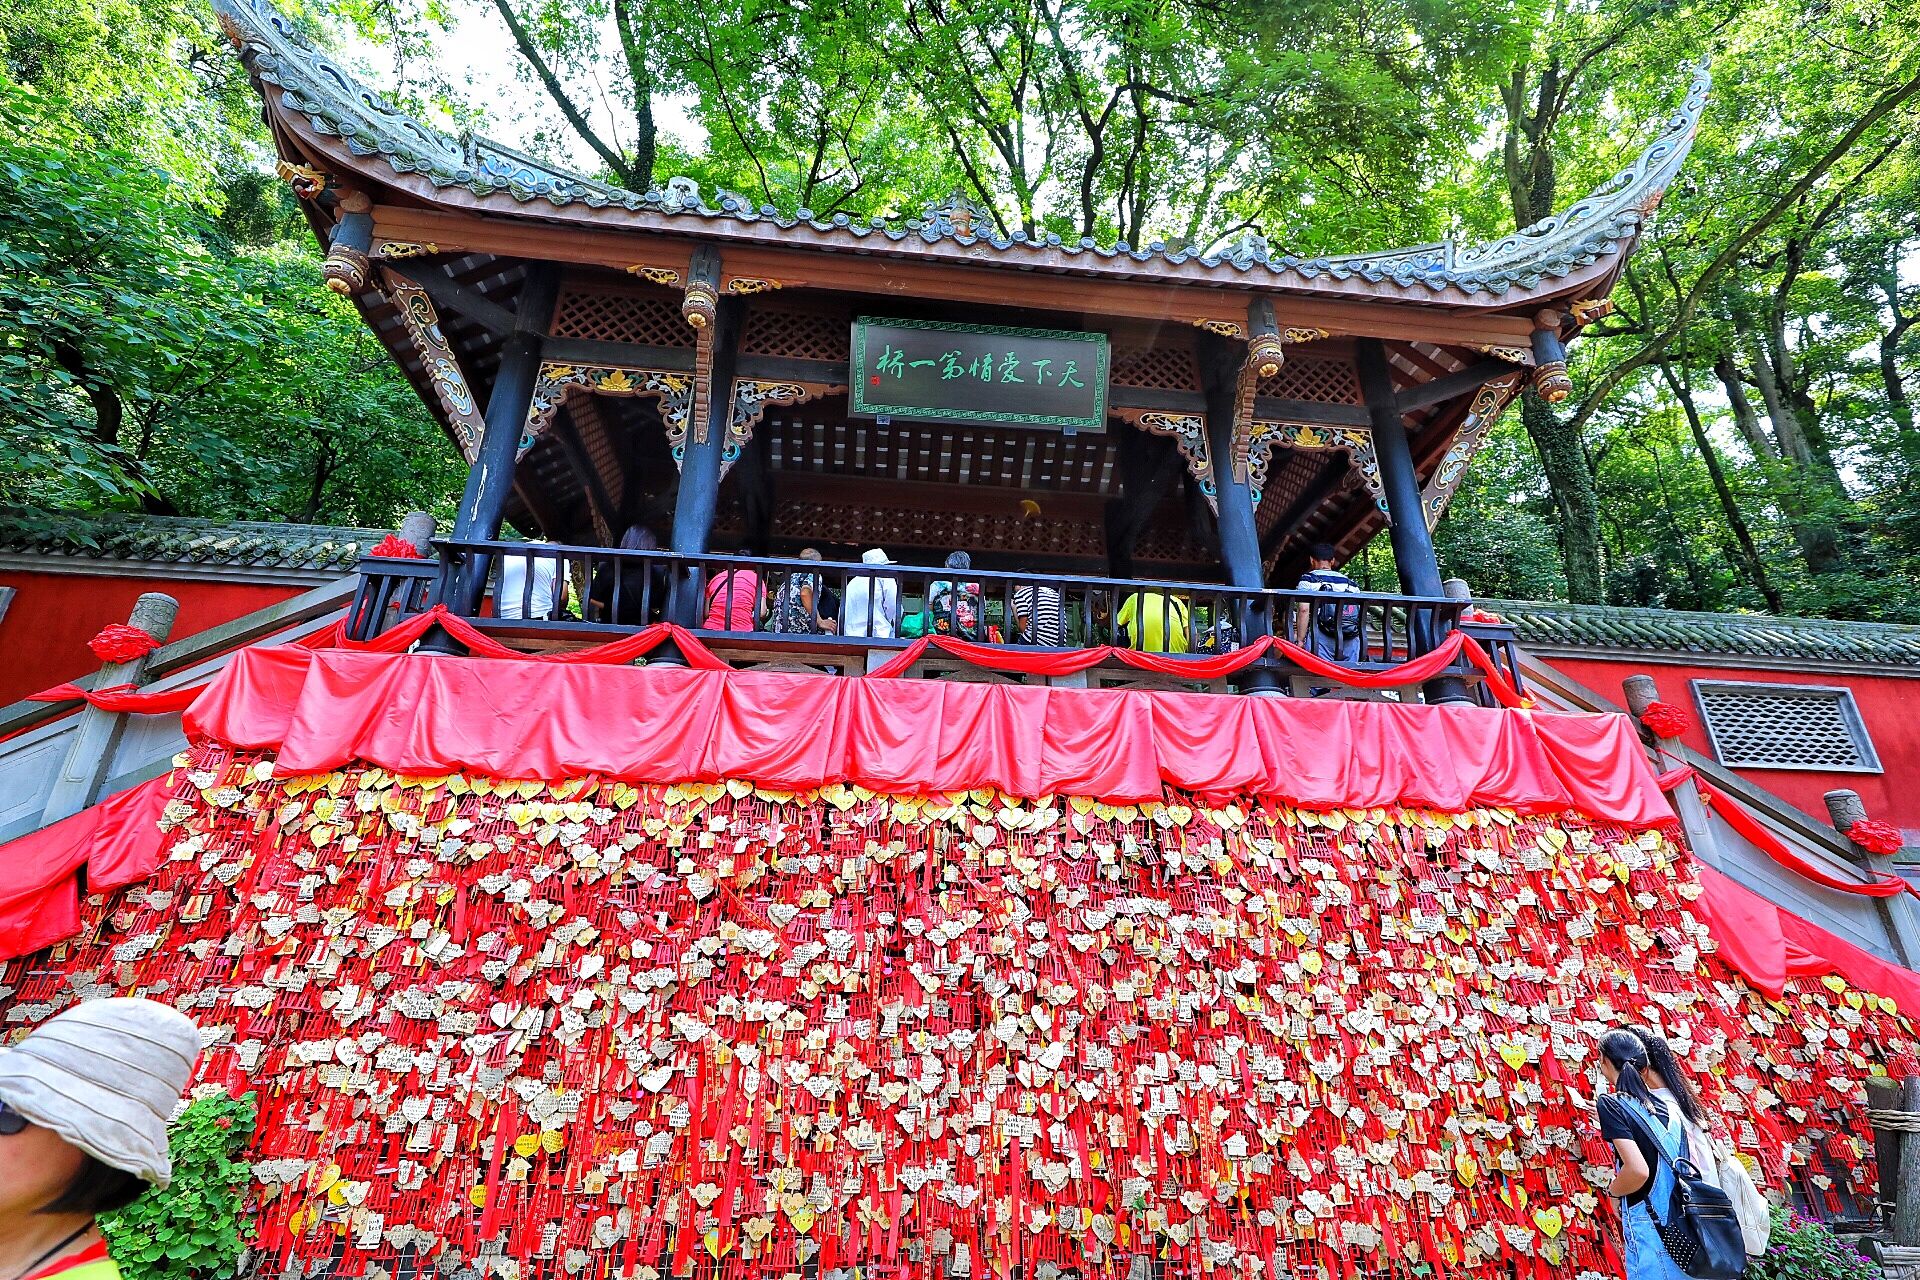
1742	434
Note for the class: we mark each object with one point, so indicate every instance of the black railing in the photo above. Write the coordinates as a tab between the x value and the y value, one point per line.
826	607
392	588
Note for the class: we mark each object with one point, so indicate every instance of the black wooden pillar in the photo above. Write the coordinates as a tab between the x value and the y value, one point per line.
1220	368
1413	551
700	464
490	480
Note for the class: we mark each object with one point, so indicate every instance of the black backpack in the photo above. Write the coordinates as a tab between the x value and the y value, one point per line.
1698	1224
1330	619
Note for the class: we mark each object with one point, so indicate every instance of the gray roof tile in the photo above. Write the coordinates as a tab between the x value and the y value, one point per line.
1548	623
167	539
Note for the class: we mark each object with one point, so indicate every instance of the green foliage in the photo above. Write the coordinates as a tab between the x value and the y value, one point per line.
1802	1249
1742	436
194	1227
155	351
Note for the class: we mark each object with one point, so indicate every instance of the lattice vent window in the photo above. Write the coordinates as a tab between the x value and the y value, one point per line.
1785	726
1305	378
650	321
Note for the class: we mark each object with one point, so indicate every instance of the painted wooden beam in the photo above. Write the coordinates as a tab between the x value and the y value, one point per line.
631	355
1471	378
464	300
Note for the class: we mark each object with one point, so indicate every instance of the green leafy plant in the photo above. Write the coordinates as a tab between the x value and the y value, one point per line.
194	1227
1802	1249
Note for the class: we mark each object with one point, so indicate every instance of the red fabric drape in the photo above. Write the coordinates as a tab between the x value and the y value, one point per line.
123	697
425	714
1750	830
116	843
397	639
1769	944
1070	662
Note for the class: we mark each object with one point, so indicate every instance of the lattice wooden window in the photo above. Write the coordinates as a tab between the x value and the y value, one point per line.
1305	378
801	335
1755	725
648	320
1157	367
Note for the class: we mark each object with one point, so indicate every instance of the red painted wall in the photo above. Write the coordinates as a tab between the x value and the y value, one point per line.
43	638
1889	707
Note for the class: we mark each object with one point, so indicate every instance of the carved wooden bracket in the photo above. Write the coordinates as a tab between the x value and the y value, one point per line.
673	391
422	324
751	400
1356	442
702	298
1488	404
1188	431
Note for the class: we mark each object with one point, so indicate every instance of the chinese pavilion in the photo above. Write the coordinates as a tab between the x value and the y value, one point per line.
599	354
538	963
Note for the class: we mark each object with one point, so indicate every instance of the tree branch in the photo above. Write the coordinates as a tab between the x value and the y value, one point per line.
555	90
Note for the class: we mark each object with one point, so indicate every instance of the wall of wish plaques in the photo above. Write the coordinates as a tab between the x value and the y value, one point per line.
601	1029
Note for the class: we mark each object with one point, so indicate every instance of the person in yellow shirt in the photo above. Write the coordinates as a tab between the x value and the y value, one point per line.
84	1103
1152	622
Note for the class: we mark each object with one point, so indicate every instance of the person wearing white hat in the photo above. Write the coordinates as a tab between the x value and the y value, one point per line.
872	605
84	1105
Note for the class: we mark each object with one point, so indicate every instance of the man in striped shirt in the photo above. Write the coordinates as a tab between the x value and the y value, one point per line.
1038	618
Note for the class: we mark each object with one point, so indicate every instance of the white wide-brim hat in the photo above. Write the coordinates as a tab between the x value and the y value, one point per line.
106	1076
875	556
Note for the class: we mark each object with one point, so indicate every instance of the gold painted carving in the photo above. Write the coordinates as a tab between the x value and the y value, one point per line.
1587	311
1303	334
1188	431
1552	382
674	391
749	284
1225	328
1514	355
306	181
657	275
396	249
1488	403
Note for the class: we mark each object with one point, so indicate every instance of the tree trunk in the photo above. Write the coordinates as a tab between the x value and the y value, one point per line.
1532	180
109	414
635	46
1736	519
1576	500
1744	418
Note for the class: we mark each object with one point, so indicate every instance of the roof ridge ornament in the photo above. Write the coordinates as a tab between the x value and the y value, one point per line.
1613	212
959	216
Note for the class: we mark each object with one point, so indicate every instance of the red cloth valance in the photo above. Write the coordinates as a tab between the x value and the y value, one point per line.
1072	661
426	714
116	843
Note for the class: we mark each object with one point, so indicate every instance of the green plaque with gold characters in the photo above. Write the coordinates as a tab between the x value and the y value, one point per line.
933	371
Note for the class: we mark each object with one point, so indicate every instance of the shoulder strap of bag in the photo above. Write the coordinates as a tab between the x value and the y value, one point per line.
1667	1142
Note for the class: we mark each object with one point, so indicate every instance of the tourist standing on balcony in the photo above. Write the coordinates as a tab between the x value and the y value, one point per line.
799	606
1153	622
735	599
634	595
531	587
1329	630
1038	617
953	608
872	605
84	1104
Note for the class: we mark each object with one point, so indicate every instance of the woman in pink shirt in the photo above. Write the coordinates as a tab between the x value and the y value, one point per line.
735	600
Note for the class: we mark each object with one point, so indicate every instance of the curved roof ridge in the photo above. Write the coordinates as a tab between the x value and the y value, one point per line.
335	104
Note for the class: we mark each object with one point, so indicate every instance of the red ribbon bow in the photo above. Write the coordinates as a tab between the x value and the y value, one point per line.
122	643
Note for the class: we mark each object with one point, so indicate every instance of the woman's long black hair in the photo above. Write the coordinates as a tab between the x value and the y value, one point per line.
1626	1051
1667	1067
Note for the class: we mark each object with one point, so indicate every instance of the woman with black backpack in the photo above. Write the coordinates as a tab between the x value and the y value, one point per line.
1675	1225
